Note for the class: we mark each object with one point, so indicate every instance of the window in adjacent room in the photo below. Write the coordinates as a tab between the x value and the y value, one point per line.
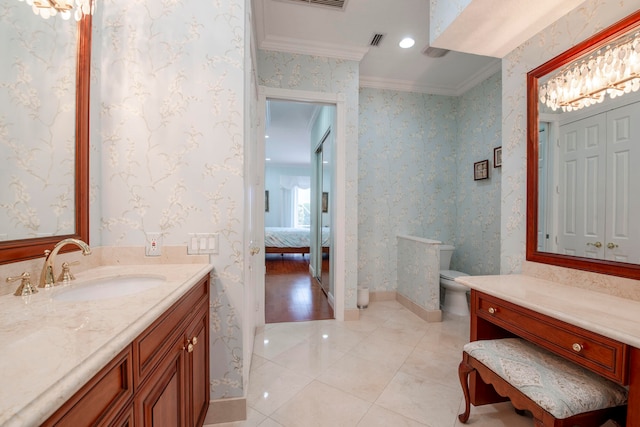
302	207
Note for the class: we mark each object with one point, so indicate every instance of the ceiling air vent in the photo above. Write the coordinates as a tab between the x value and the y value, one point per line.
376	39
435	52
337	4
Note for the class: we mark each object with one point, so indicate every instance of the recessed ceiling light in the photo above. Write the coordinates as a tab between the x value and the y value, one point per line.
407	42
266	136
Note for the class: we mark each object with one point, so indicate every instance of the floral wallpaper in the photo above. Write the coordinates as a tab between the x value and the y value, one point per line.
416	160
320	74
37	123
477	237
168	84
584	21
407	176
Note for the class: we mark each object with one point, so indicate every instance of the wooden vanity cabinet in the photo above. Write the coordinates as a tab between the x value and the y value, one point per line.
161	379
176	392
102	399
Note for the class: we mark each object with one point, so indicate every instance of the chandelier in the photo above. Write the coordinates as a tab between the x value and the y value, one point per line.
47	8
613	69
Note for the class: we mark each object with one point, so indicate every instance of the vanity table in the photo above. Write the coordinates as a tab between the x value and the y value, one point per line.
598	331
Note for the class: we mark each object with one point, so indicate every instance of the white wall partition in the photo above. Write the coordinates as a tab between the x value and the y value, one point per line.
419	274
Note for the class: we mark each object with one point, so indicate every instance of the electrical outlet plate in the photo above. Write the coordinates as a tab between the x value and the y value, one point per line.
153	244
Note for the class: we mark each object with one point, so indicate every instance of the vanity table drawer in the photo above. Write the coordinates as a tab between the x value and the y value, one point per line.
598	353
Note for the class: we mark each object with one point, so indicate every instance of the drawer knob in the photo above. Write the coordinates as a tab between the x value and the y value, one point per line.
492	310
577	347
194	340
190	348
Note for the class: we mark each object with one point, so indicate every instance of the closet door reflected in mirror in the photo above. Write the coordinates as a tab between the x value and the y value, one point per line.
588	184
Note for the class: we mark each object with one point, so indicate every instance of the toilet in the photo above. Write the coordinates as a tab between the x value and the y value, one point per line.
455	294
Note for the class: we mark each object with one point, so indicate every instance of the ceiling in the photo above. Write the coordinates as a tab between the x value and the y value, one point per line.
288	126
298	27
489	27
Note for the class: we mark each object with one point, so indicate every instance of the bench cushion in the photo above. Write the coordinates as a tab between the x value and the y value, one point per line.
557	385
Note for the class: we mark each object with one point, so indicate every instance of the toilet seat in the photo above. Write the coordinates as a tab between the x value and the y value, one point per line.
448	278
451	274
455	294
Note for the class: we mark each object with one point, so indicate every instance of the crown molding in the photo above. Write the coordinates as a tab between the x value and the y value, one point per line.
404	86
482	74
306	47
411	86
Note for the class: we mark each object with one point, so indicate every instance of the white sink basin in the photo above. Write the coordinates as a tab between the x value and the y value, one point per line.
109	287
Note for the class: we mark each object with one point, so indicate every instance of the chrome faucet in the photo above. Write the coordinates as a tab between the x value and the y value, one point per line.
47	278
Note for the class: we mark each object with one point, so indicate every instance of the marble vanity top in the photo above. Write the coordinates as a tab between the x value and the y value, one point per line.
608	315
50	348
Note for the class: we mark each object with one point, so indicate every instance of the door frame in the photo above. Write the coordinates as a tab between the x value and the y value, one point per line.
339	182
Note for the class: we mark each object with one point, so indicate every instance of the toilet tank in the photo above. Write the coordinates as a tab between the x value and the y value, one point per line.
446	251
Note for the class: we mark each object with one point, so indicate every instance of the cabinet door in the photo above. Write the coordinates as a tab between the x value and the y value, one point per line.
161	401
126	418
197	366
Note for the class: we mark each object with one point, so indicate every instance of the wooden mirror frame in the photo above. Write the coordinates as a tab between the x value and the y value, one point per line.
23	249
632	271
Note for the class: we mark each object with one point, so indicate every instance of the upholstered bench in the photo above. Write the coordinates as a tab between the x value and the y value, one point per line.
555	391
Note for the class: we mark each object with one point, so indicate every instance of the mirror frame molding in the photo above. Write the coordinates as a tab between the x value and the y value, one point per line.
24	249
632	271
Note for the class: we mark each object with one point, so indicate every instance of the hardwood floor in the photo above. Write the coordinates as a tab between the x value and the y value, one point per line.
291	294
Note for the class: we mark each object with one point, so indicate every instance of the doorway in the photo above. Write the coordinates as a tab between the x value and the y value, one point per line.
296	219
337	211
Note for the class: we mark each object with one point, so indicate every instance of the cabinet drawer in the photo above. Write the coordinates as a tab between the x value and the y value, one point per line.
598	353
156	340
102	398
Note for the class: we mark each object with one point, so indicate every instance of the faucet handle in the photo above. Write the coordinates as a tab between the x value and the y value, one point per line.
66	275
25	288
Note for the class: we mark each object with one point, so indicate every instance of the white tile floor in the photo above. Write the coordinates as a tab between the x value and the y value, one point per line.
388	369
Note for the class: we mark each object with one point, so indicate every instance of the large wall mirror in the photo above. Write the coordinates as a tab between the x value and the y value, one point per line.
44	131
583	155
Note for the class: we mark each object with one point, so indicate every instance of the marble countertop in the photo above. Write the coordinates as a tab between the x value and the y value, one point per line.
608	315
49	348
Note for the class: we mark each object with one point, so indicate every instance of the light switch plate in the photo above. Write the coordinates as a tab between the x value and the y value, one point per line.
202	243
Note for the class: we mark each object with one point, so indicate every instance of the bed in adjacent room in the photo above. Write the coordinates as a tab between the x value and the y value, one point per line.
282	240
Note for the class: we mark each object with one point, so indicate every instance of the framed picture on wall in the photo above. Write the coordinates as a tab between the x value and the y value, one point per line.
497	157
266	200
325	202
481	170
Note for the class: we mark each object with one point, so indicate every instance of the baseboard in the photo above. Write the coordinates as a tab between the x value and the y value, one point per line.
226	410
351	314
382	296
427	315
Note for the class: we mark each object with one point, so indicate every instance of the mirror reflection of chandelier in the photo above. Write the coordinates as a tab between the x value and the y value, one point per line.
47	8
613	69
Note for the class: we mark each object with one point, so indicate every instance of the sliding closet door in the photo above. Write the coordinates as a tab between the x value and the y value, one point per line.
322	231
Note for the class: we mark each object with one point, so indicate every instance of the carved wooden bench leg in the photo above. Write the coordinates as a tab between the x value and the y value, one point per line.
464	369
